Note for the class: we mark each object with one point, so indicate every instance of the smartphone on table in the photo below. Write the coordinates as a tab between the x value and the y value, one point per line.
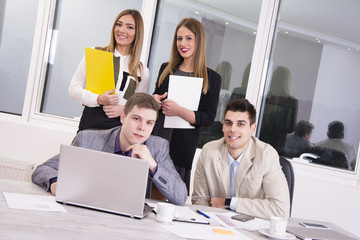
242	217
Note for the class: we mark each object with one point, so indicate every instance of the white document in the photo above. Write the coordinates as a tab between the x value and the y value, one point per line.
201	231
186	92
184	214
188	215
33	202
225	220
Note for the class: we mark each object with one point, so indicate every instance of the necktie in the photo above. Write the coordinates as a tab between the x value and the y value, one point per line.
233	170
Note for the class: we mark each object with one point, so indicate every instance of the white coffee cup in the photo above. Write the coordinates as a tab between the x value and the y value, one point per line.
277	226
165	212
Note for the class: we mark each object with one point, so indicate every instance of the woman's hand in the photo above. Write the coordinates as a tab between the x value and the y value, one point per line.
113	111
158	98
170	108
108	98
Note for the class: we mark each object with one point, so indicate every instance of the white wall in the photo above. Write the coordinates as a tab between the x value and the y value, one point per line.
325	198
31	143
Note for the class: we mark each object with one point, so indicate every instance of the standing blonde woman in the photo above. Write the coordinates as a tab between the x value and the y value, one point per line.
103	111
187	58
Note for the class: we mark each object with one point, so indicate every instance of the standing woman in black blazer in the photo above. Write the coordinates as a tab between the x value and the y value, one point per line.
187	58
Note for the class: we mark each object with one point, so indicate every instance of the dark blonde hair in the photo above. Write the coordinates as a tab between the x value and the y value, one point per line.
200	69
135	50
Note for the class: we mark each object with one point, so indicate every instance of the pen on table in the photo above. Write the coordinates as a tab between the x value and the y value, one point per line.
200	212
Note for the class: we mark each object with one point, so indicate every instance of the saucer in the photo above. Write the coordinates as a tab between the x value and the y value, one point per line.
287	236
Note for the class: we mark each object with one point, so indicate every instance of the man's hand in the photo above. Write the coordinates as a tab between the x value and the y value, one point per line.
141	151
53	188
217	202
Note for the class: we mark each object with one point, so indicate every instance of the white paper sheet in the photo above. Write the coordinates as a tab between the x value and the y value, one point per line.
186	92
33	202
224	219
201	231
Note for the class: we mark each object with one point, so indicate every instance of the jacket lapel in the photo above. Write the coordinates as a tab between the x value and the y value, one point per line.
110	143
223	169
245	163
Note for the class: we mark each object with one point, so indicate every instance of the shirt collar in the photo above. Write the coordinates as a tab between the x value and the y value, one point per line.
231	159
117	54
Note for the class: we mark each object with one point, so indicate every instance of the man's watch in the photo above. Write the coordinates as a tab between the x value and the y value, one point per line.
227	202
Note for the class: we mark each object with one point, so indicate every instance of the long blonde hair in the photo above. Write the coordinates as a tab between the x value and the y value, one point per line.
280	82
200	69
135	50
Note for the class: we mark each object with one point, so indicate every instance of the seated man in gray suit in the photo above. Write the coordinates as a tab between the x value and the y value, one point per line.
131	139
239	171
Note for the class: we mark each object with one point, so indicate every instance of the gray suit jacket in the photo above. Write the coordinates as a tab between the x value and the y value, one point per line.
260	186
166	178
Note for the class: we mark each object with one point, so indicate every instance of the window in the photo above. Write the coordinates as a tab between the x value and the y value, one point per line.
313	80
77	24
17	26
230	37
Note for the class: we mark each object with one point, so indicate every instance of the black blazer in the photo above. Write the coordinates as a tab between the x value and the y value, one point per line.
183	142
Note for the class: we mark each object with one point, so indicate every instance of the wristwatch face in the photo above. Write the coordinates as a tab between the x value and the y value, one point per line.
227	201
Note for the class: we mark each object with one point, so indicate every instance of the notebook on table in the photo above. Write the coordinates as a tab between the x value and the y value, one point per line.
102	181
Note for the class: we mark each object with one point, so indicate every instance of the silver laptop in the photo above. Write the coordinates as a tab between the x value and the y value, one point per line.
316	233
102	181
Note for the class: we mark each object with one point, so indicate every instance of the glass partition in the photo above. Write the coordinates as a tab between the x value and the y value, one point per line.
77	24
230	37
310	104
17	28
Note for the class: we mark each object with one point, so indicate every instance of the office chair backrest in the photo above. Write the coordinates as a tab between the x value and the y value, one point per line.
329	157
288	170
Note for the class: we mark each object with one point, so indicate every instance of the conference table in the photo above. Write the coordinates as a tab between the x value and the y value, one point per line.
81	223
77	222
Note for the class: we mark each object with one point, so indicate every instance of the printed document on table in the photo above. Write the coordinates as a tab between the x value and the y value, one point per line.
99	70
186	92
201	231
33	202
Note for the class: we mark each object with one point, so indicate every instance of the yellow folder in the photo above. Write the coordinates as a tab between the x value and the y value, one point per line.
99	70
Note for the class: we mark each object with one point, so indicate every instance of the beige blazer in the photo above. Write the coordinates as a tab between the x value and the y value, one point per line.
261	187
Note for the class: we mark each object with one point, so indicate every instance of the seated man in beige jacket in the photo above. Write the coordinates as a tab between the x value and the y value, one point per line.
259	187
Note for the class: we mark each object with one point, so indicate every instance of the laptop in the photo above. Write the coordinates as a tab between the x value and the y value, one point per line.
317	233
102	181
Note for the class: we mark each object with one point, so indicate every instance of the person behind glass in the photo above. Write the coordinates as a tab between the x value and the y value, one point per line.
103	111
132	139
214	131
280	112
336	141
299	142
239	171
187	58
240	92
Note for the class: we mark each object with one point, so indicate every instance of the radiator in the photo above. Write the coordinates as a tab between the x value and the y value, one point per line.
16	170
